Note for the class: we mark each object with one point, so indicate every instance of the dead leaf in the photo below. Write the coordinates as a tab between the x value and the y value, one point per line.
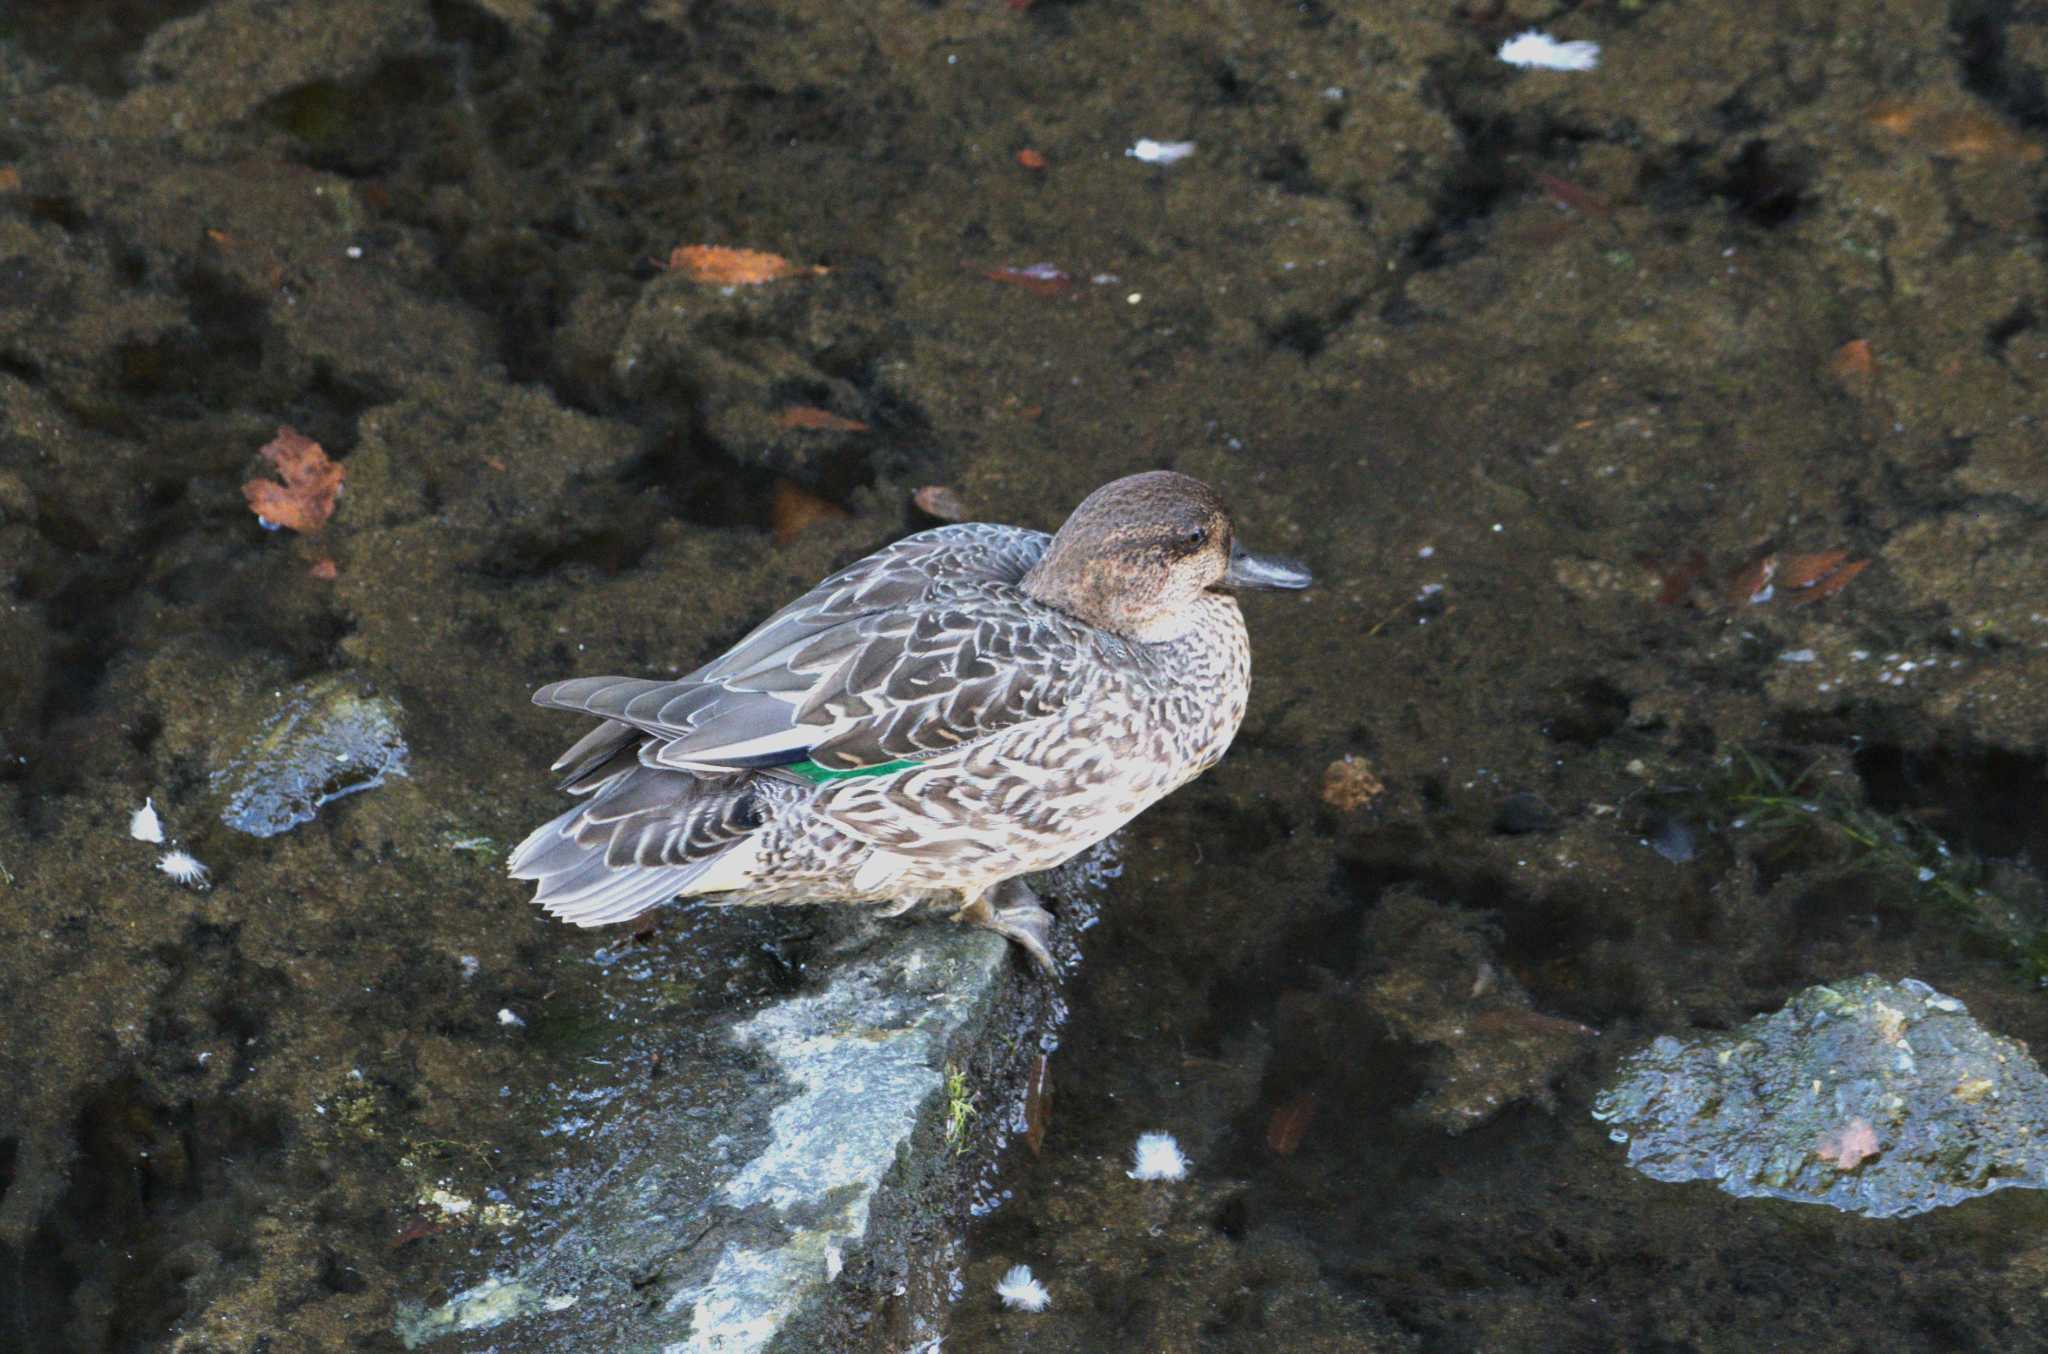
1675	578
1964	134
725	267
325	569
1753	585
1349	784
1040	279
311	483
1803	571
10	179
1289	1122
1030	158
1830	584
791	512
1847	1148
1854	367
1853	361
937	500
1037	1102
1565	193
806	417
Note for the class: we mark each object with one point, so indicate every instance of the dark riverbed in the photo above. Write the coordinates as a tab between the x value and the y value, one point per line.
1569	386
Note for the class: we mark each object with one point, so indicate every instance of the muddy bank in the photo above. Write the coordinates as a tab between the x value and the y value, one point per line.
1537	370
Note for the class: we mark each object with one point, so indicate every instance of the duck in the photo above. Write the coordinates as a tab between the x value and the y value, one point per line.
964	707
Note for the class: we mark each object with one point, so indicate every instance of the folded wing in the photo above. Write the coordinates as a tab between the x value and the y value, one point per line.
914	650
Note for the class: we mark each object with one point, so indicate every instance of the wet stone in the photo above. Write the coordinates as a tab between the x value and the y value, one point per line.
1879	1098
330	737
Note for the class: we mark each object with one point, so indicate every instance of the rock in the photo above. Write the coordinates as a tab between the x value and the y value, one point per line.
330	738
1436	981
786	1188
1879	1098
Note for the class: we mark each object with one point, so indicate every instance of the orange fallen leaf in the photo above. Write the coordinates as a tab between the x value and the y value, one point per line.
791	512
325	569
1964	134
1829	584
311	483
1289	1122
10	179
1803	571
1037	1102
1030	158
495	463
1853	361
937	500
725	267
819	420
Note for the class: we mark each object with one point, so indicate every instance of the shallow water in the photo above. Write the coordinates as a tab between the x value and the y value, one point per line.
1567	385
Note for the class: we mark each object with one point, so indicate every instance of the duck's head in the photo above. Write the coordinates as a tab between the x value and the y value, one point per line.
1139	552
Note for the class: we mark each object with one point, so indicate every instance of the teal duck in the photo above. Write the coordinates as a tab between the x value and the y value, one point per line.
961	708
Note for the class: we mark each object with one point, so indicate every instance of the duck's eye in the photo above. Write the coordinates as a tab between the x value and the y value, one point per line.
1195	535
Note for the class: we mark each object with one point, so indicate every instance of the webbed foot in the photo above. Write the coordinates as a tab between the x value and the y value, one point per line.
1011	909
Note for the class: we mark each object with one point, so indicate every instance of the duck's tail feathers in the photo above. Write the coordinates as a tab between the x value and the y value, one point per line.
643	838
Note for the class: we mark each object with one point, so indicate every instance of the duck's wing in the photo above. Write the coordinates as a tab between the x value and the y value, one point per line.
918	648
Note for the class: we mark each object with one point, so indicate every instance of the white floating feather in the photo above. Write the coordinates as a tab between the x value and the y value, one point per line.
144	825
1021	1292
1537	50
185	868
1161	152
1157	1157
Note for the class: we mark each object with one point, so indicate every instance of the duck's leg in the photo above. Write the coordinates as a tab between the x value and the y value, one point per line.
1011	909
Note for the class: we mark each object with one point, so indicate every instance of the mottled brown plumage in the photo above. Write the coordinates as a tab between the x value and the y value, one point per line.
968	705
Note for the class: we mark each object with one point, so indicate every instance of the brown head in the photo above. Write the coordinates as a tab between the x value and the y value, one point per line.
1139	552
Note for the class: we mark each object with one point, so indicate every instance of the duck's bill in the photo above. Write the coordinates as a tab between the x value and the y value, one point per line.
1264	572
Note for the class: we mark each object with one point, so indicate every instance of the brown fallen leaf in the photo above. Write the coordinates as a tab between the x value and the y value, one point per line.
1803	571
1675	578
1040	279
806	417
1752	586
1349	784
1853	361
325	569
1964	134
1289	1122
310	484
942	502
10	179
1037	1102
791	512
1831	583
726	267
1580	199
1030	158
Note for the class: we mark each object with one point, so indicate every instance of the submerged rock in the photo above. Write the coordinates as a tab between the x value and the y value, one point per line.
1879	1098
1436	980
330	738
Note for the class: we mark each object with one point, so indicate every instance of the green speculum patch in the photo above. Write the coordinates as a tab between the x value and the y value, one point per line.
819	775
